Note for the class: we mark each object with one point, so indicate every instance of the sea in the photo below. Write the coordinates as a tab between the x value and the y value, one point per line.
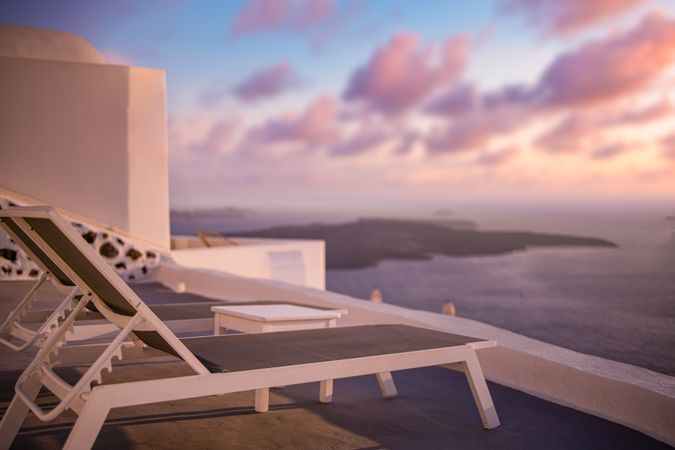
616	303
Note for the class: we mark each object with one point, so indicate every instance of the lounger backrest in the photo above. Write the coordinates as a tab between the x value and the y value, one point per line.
79	262
71	255
34	250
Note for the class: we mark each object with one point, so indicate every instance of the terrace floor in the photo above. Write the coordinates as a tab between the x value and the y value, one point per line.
434	409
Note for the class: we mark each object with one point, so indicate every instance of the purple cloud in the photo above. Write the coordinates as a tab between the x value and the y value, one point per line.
459	101
366	139
572	134
265	83
497	158
610	151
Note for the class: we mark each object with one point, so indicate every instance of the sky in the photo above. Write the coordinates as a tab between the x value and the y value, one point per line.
327	103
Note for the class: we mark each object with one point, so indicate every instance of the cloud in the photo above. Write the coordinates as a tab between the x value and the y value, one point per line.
314	127
469	134
268	82
598	73
655	111
610	151
268	15
265	83
366	139
475	118
574	133
407	142
497	158
609	68
400	75
668	146
219	137
565	17
459	101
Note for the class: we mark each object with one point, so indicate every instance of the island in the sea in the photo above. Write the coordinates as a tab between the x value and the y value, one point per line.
365	242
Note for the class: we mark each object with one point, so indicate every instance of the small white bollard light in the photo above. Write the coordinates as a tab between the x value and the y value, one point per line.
180	287
449	309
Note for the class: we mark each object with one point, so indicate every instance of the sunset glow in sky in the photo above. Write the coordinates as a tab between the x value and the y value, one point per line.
303	102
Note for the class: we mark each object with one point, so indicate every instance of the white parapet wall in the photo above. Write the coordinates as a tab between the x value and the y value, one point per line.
294	261
82	135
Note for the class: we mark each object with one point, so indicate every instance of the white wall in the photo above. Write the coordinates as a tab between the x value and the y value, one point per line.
87	138
294	261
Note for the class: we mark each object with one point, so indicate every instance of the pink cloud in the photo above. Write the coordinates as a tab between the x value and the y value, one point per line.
265	83
598	73
568	16
473	129
668	146
219	136
573	134
366	139
316	126
400	75
259	16
459	101
649	113
610	151
612	67
407	142
497	158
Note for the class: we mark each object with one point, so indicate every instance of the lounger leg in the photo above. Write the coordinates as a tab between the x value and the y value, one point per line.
88	424
386	382
16	413
262	400
479	389
326	391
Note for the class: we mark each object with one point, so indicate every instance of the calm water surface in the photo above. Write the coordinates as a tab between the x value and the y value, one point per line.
608	303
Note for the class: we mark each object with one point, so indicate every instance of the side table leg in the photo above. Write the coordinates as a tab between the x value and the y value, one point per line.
216	325
262	400
326	391
386	382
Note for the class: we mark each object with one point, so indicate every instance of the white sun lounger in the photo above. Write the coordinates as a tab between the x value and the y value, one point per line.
25	326
222	364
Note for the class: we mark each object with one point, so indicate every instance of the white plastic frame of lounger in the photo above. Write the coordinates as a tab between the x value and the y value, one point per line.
14	326
93	403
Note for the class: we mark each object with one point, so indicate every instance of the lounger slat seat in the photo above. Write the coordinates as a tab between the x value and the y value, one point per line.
221	364
255	351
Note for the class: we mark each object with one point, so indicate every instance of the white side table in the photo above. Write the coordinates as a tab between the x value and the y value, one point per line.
276	317
273	317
